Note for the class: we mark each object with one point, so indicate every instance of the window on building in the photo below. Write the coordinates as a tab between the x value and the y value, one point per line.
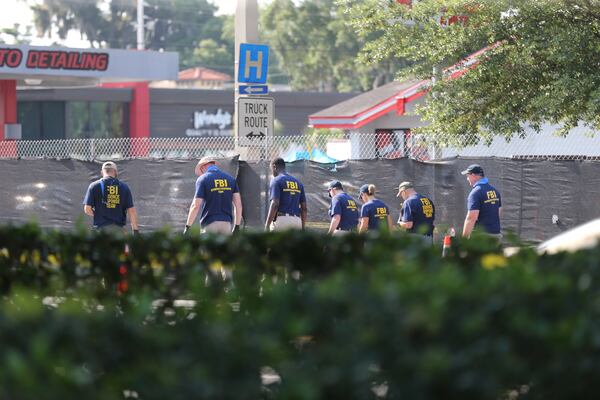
41	120
96	119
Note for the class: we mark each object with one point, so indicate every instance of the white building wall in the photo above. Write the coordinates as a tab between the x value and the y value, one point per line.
581	141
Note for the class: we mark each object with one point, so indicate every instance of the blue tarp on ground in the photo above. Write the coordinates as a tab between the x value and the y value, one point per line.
316	155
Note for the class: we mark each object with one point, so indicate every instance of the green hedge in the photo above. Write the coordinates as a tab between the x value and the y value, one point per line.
333	318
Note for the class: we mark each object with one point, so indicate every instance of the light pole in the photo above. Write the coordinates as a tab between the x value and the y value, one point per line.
140	24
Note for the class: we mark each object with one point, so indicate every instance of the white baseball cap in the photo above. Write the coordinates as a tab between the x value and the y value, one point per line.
109	165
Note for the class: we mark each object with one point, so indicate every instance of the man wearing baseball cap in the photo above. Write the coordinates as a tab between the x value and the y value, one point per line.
418	212
484	205
109	201
217	199
343	210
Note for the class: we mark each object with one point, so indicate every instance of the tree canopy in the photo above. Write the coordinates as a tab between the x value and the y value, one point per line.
541	65
317	48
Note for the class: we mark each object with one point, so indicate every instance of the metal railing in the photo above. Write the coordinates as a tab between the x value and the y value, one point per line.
325	148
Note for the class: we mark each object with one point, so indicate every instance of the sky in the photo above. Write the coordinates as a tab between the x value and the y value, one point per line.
16	11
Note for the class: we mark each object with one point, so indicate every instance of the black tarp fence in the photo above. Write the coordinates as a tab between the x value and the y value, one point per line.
51	191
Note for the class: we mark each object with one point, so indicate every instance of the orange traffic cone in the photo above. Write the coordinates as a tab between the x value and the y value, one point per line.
447	242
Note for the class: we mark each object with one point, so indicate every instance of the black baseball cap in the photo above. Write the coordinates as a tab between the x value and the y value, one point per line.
473	169
335	185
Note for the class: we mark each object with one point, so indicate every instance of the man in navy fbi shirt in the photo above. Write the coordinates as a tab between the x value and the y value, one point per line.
343	210
288	200
484	205
418	212
109	201
217	199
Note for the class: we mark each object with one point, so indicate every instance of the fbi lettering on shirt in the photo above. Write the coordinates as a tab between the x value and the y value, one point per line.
427	207
113	199
381	212
220	185
351	205
492	197
291	187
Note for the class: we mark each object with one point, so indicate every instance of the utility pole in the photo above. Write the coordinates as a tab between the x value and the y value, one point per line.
140	24
246	31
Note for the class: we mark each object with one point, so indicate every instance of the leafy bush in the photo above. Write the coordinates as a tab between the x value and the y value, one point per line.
353	317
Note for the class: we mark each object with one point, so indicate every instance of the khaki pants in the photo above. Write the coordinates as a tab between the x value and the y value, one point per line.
339	232
218	227
285	222
497	236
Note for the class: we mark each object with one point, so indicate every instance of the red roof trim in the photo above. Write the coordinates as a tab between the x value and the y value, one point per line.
338	126
404	97
375	116
358	116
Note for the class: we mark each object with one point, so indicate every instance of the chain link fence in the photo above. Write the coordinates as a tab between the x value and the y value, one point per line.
325	148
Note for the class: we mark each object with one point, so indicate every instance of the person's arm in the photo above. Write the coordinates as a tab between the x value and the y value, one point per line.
88	202
406	219
133	218
274	192
303	209
470	220
303	213
335	212
335	222
195	207
272	213
405	224
363	224
131	211
499	206
88	210
237	204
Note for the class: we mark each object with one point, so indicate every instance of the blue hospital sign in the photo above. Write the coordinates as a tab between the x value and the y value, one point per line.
254	63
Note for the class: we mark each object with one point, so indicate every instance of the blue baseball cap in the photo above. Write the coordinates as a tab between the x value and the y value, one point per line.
364	189
473	169
335	185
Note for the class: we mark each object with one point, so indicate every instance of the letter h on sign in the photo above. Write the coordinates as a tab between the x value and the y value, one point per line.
254	63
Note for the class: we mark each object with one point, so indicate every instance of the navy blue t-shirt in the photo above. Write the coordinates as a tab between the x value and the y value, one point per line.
216	188
485	198
290	193
345	206
110	200
377	212
421	211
